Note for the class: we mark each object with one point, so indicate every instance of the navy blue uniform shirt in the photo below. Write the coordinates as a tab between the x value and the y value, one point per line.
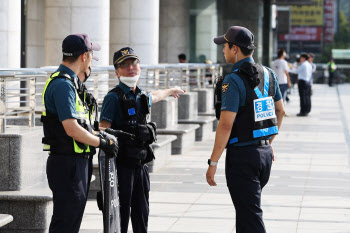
60	96
111	110
235	95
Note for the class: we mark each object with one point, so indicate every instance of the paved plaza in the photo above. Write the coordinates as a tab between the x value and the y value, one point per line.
308	191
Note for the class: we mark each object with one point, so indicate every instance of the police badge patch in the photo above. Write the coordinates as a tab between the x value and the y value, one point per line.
224	87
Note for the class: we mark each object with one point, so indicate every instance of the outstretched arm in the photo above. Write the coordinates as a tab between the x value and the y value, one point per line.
158	95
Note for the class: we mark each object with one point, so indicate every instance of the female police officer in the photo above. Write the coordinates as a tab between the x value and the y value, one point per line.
251	100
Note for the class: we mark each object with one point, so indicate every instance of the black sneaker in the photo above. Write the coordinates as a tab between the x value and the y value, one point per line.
301	114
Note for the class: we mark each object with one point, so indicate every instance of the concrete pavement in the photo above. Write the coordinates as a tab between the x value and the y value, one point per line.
308	191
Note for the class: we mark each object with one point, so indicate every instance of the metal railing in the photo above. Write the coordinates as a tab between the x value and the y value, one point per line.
21	89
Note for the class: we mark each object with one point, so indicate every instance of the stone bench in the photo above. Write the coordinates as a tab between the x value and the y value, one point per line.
165	114
211	114
186	135
162	152
31	209
188	114
22	120
206	125
24	192
5	219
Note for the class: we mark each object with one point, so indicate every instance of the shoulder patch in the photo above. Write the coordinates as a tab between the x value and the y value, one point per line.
225	87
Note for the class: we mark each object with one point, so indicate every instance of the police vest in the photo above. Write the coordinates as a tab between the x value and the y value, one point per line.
256	120
135	114
55	139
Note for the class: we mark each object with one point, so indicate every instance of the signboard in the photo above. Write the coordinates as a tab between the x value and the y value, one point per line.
341	53
328	21
292	2
308	15
303	34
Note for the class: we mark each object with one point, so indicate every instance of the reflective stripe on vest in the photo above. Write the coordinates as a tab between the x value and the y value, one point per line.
82	113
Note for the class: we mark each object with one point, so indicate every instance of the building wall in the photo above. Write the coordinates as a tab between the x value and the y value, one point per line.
174	19
35	33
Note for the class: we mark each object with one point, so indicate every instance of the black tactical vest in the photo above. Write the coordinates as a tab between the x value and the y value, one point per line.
255	120
135	115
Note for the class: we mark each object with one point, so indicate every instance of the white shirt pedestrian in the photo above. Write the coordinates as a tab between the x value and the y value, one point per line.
280	66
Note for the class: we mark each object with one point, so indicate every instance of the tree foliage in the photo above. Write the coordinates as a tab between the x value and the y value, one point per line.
341	39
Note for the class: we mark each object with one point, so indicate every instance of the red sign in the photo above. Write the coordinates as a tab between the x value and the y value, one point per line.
328	21
303	34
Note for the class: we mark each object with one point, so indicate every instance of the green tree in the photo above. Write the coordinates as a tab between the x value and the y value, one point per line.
341	39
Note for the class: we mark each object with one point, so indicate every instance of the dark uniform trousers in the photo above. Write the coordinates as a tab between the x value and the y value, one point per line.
247	172
69	179
330	80
305	96
134	187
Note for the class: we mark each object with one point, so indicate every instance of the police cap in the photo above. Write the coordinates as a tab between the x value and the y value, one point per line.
237	35
77	44
122	54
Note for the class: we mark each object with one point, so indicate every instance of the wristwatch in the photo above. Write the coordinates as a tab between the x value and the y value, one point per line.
212	163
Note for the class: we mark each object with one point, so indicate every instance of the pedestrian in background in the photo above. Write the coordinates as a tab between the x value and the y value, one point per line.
304	72
280	66
331	70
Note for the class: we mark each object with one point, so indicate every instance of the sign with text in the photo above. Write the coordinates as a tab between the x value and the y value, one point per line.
308	15
303	34
293	2
264	109
328	21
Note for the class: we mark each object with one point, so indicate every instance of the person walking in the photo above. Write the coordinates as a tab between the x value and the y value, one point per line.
68	135
280	66
126	108
251	114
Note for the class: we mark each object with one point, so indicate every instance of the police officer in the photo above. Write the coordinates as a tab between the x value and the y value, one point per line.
331	69
251	113
125	108
68	135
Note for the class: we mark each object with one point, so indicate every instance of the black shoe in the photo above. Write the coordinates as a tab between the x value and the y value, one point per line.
301	114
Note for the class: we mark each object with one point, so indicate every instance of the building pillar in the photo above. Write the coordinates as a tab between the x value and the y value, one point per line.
231	13
67	17
10	34
174	19
135	23
35	35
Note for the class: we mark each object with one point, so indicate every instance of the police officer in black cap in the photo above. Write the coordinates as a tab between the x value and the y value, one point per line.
251	114
126	108
68	135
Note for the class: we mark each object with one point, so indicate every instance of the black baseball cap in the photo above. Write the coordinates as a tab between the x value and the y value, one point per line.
122	54
77	44
237	35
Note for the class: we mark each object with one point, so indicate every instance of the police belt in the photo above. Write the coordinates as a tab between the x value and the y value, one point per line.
255	143
83	155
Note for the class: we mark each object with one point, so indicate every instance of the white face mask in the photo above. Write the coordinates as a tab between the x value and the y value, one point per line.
129	81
